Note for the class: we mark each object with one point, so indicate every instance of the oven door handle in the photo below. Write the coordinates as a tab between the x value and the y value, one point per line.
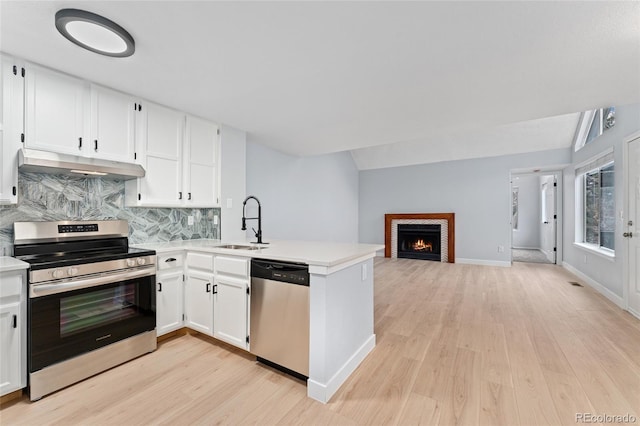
39	290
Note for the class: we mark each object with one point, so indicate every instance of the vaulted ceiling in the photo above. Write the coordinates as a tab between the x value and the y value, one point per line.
393	82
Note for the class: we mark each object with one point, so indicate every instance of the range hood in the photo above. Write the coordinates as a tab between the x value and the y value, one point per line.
32	160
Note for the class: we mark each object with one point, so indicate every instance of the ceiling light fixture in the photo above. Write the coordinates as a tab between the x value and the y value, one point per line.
95	33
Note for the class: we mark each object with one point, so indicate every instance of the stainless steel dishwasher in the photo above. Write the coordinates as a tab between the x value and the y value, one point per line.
279	327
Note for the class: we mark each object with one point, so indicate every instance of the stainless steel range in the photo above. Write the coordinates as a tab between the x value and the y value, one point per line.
91	300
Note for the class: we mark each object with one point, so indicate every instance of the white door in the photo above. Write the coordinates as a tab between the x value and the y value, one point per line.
54	112
549	218
169	302
230	310
199	301
112	125
201	163
10	362
12	125
162	136
633	233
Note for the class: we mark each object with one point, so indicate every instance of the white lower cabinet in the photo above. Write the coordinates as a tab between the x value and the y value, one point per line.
231	300
230	310
212	297
13	337
169	301
199	301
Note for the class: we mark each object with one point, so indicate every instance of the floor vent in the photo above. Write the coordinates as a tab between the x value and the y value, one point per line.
575	283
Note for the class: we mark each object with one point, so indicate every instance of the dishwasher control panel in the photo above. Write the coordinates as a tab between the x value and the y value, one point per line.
293	273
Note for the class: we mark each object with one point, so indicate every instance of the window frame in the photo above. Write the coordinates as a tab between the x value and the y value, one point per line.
595	164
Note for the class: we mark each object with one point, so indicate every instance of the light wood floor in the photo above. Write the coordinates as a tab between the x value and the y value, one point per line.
456	344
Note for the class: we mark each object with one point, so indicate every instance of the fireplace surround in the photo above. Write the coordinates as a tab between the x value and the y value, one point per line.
412	235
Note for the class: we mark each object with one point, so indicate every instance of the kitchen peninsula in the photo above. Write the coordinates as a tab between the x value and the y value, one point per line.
340	296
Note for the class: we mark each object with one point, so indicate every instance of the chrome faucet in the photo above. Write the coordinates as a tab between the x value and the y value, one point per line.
244	219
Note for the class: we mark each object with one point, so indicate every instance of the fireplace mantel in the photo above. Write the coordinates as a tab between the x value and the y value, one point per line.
449	217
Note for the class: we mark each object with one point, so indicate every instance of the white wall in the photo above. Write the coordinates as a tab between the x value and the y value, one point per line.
478	191
528	233
606	273
233	176
310	198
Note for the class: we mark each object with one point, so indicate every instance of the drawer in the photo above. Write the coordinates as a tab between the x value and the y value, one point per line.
200	261
170	260
232	265
11	284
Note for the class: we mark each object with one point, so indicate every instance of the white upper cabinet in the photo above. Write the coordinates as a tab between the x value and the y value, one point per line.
201	168
160	135
70	116
11	127
55	111
112	125
180	154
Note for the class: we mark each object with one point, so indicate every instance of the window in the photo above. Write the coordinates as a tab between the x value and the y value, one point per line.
593	123
595	198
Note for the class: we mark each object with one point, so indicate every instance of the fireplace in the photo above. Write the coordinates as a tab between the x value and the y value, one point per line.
427	236
419	242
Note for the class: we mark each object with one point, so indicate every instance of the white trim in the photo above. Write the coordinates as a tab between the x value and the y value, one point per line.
595	285
626	205
593	158
483	262
586	118
610	255
526	248
323	392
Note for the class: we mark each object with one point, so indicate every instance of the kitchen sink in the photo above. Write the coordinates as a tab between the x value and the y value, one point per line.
239	247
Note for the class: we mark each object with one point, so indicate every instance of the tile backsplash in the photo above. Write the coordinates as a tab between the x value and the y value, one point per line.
45	197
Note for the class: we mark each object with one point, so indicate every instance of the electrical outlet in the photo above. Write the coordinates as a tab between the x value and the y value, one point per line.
500	249
190	220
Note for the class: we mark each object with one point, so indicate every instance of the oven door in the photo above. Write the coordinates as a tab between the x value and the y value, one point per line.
70	319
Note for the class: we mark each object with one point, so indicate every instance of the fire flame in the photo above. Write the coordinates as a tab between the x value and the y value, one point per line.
420	245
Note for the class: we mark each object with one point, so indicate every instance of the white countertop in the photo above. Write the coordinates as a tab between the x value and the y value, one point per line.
317	253
11	264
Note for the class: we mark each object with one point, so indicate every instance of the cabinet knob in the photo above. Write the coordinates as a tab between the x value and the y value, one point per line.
189	195
79	143
208	287
96	144
159	287
628	234
180	195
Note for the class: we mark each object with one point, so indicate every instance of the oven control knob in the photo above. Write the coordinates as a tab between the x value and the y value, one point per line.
72	271
57	273
131	263
141	261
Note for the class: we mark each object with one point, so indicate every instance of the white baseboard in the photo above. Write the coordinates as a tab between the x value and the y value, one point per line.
483	262
324	392
527	248
595	285
634	313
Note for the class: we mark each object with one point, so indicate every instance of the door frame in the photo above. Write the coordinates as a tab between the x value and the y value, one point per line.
542	171
626	287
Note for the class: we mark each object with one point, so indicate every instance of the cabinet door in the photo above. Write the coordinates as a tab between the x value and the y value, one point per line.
230	308
201	163
54	112
112	125
162	137
199	302
169	302
11	363
12	125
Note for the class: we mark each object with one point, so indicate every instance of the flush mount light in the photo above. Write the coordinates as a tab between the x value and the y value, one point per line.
95	33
